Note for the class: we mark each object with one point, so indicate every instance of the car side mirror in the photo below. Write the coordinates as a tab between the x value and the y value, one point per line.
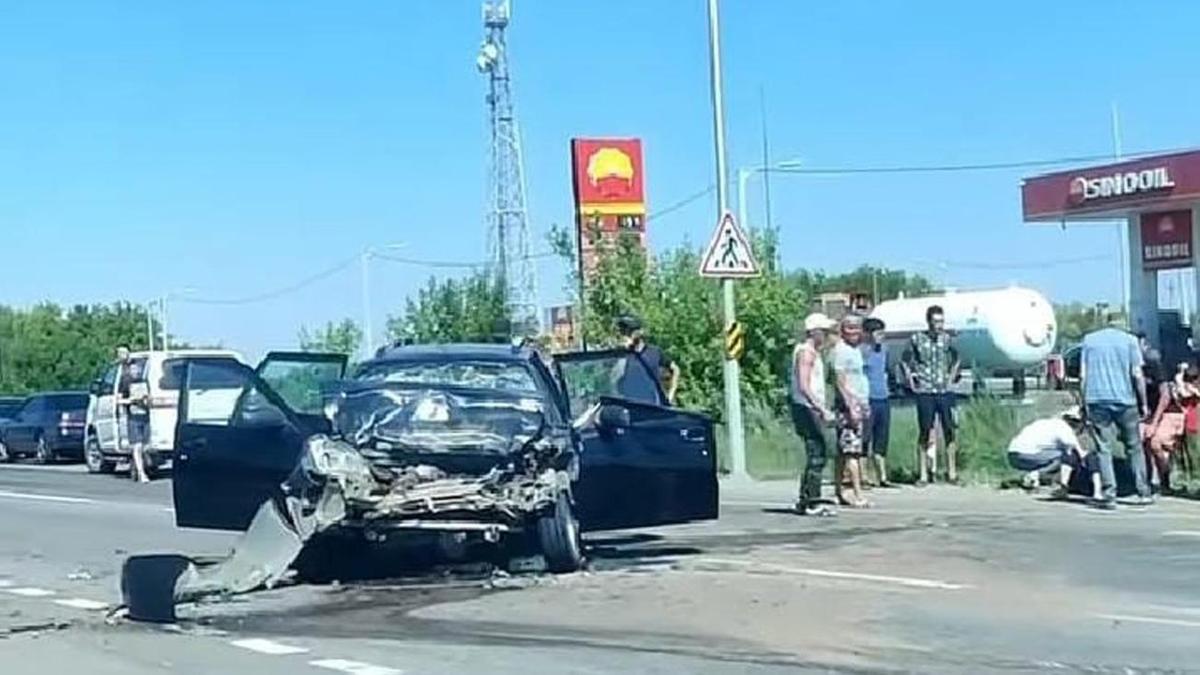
96	388
613	417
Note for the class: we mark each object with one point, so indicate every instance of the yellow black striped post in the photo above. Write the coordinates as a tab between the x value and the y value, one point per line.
735	341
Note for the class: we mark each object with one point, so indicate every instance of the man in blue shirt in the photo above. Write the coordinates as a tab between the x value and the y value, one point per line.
875	360
1114	396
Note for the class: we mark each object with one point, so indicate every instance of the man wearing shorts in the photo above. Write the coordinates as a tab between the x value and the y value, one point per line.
853	411
132	399
931	365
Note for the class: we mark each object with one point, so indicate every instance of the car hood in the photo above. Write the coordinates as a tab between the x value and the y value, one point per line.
394	422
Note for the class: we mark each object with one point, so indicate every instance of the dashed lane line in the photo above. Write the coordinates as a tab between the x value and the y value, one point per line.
30	592
354	667
81	603
1155	620
911	582
269	647
1182	533
46	498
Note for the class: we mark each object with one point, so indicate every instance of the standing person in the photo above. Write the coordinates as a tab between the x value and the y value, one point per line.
875	357
810	413
853	408
1114	396
931	365
132	401
633	383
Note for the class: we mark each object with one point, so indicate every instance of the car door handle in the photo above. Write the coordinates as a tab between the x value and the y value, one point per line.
693	435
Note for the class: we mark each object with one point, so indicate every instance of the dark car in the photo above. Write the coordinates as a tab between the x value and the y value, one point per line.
9	405
474	440
48	427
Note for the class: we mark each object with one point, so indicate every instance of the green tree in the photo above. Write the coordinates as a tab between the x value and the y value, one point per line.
46	347
471	309
343	337
1077	319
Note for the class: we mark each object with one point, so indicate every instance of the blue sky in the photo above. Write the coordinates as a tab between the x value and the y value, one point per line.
234	148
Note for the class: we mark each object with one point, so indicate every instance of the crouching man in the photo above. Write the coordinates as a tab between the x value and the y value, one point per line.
1059	443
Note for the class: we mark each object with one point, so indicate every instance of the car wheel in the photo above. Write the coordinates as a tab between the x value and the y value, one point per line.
94	457
558	534
5	455
43	455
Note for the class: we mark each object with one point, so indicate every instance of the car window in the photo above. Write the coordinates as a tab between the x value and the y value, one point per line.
67	402
33	406
204	378
9	409
587	380
109	379
475	374
301	384
234	401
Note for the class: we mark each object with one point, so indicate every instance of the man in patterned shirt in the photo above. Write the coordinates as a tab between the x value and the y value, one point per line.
931	366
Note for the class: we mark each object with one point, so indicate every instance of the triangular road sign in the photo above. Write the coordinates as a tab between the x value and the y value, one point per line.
729	255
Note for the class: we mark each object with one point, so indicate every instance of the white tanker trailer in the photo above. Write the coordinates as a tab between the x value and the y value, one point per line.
1000	332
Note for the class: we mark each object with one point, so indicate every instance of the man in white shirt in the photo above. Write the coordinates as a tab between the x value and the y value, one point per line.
853	409
1054	443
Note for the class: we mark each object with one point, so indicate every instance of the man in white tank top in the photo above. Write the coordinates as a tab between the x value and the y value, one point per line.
810	412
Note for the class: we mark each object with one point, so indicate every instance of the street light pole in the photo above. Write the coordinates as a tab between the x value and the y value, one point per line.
150	325
166	340
733	391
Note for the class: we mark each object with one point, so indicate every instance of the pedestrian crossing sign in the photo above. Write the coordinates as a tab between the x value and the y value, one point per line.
729	255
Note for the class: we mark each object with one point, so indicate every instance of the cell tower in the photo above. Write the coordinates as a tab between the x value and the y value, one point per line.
507	218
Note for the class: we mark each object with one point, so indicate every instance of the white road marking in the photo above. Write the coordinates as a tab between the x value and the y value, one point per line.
5	583
30	592
1182	533
46	498
267	647
354	667
834	574
1150	619
81	603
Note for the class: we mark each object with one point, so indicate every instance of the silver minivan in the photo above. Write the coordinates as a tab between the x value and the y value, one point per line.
157	374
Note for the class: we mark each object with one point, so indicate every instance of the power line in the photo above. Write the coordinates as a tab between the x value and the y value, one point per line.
681	203
952	168
279	292
1035	264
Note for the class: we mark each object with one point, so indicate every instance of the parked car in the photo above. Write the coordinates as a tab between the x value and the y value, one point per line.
48	427
9	405
106	440
482	441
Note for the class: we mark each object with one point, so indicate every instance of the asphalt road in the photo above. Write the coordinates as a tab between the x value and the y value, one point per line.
933	580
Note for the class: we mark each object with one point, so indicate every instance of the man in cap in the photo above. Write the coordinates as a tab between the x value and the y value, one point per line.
810	413
1058	443
853	411
643	384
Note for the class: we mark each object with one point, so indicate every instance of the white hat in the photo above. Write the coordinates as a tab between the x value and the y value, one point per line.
1073	413
818	321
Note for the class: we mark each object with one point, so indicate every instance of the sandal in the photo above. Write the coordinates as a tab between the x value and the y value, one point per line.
819	511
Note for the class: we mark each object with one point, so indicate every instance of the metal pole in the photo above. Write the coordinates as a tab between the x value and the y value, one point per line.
166	341
150	326
368	337
1122	226
733	392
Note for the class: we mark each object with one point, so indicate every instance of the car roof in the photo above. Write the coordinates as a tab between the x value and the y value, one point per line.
64	392
179	353
456	351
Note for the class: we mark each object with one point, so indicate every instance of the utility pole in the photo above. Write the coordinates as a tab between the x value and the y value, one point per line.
150	325
368	339
166	344
733	391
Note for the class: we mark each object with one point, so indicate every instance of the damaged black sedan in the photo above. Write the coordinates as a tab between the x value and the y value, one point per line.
479	441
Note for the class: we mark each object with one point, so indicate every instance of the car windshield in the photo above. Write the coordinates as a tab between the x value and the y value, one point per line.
471	374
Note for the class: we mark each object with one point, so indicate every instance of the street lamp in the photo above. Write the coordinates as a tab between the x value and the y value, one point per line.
743	177
368	338
162	306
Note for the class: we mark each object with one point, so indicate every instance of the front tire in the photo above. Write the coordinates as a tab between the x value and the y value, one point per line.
43	455
94	457
558	534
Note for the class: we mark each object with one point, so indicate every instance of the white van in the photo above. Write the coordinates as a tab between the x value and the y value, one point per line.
105	436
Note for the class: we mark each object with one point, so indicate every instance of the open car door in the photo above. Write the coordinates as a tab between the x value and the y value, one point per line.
241	430
643	462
